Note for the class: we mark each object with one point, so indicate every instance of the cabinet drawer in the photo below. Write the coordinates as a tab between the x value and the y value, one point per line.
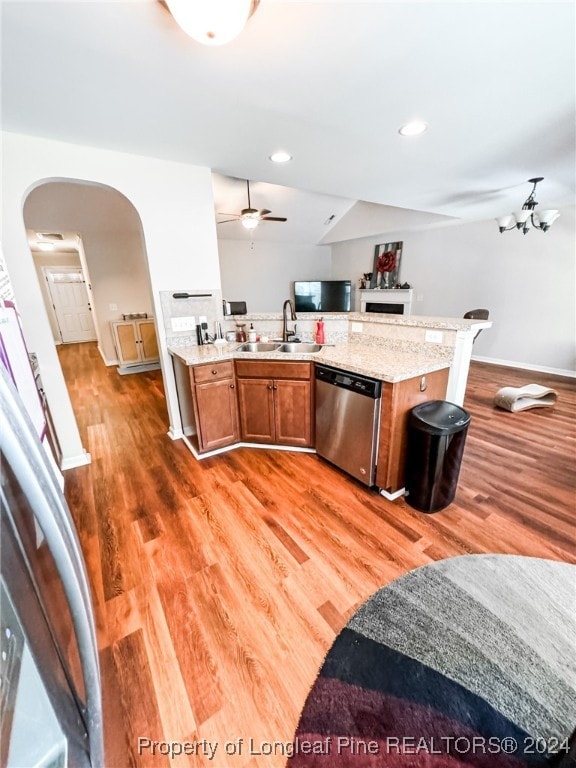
212	371
271	369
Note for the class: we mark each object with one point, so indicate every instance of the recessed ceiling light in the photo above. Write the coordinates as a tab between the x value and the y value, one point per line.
45	246
280	157
413	128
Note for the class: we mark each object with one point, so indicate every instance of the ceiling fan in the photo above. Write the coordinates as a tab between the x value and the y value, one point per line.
251	217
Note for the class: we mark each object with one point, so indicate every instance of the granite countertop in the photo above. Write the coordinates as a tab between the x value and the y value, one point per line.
392	363
415	321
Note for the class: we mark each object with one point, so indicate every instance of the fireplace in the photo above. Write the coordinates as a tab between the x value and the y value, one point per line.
389	309
396	301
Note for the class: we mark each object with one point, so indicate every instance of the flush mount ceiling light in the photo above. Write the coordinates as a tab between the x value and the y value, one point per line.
528	217
212	22
413	128
45	246
280	157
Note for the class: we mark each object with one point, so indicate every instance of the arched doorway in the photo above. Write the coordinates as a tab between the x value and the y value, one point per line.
110	248
90	230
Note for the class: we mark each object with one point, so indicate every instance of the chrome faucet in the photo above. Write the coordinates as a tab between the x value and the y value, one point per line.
285	332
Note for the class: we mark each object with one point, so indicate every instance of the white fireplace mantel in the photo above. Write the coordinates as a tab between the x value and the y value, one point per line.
384	296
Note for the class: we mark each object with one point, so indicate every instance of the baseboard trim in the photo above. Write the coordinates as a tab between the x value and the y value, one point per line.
76	461
526	366
191	447
107	363
175	434
393	496
129	369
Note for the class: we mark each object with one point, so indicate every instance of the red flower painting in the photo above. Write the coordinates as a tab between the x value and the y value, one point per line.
386	262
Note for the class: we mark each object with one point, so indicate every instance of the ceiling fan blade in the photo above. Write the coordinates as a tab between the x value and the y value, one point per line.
227	220
273	218
264	212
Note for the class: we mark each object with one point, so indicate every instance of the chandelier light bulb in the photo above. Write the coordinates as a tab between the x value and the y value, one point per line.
548	217
211	22
521	217
505	221
249	223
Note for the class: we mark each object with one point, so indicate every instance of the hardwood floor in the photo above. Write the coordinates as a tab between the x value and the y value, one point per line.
219	585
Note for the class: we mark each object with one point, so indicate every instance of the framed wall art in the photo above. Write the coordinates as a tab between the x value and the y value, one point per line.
386	270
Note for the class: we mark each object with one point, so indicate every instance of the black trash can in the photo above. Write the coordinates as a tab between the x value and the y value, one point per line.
436	436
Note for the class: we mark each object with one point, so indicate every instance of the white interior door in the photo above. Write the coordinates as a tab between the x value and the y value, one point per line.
71	304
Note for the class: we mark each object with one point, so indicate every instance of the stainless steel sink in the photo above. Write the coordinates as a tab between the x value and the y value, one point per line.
299	347
257	346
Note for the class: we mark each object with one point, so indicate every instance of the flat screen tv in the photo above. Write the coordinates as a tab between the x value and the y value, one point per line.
322	295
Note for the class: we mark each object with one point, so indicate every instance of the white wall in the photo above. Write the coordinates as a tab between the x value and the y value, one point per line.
172	199
261	274
526	281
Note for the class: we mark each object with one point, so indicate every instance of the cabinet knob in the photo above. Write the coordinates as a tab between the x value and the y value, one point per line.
270	386
274	388
231	386
214	371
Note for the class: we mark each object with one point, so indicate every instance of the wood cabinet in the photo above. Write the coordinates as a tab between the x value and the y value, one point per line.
271	402
208	407
275	402
397	401
216	410
135	342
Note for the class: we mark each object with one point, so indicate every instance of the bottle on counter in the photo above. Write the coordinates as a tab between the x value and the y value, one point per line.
240	332
319	336
251	333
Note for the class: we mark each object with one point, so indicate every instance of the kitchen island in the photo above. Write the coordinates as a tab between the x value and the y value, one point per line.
391	362
230	398
389	347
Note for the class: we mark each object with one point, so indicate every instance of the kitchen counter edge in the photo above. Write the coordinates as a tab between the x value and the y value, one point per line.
391	366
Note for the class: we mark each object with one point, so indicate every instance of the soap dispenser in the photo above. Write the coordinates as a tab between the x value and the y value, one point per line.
251	333
320	331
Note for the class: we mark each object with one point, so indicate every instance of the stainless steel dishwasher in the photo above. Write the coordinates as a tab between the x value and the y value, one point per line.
348	420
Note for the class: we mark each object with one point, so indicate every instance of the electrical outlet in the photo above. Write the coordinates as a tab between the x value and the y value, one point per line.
183	323
435	337
356	327
113	307
419	297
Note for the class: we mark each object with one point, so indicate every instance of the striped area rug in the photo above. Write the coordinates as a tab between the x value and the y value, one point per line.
469	661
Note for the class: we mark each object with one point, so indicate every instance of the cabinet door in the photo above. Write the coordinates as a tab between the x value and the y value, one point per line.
127	346
292	412
148	341
256	409
397	401
216	414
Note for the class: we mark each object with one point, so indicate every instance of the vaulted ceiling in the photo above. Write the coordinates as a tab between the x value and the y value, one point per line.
329	81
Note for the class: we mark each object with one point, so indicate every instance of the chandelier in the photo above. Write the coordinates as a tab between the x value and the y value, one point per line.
528	217
212	22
